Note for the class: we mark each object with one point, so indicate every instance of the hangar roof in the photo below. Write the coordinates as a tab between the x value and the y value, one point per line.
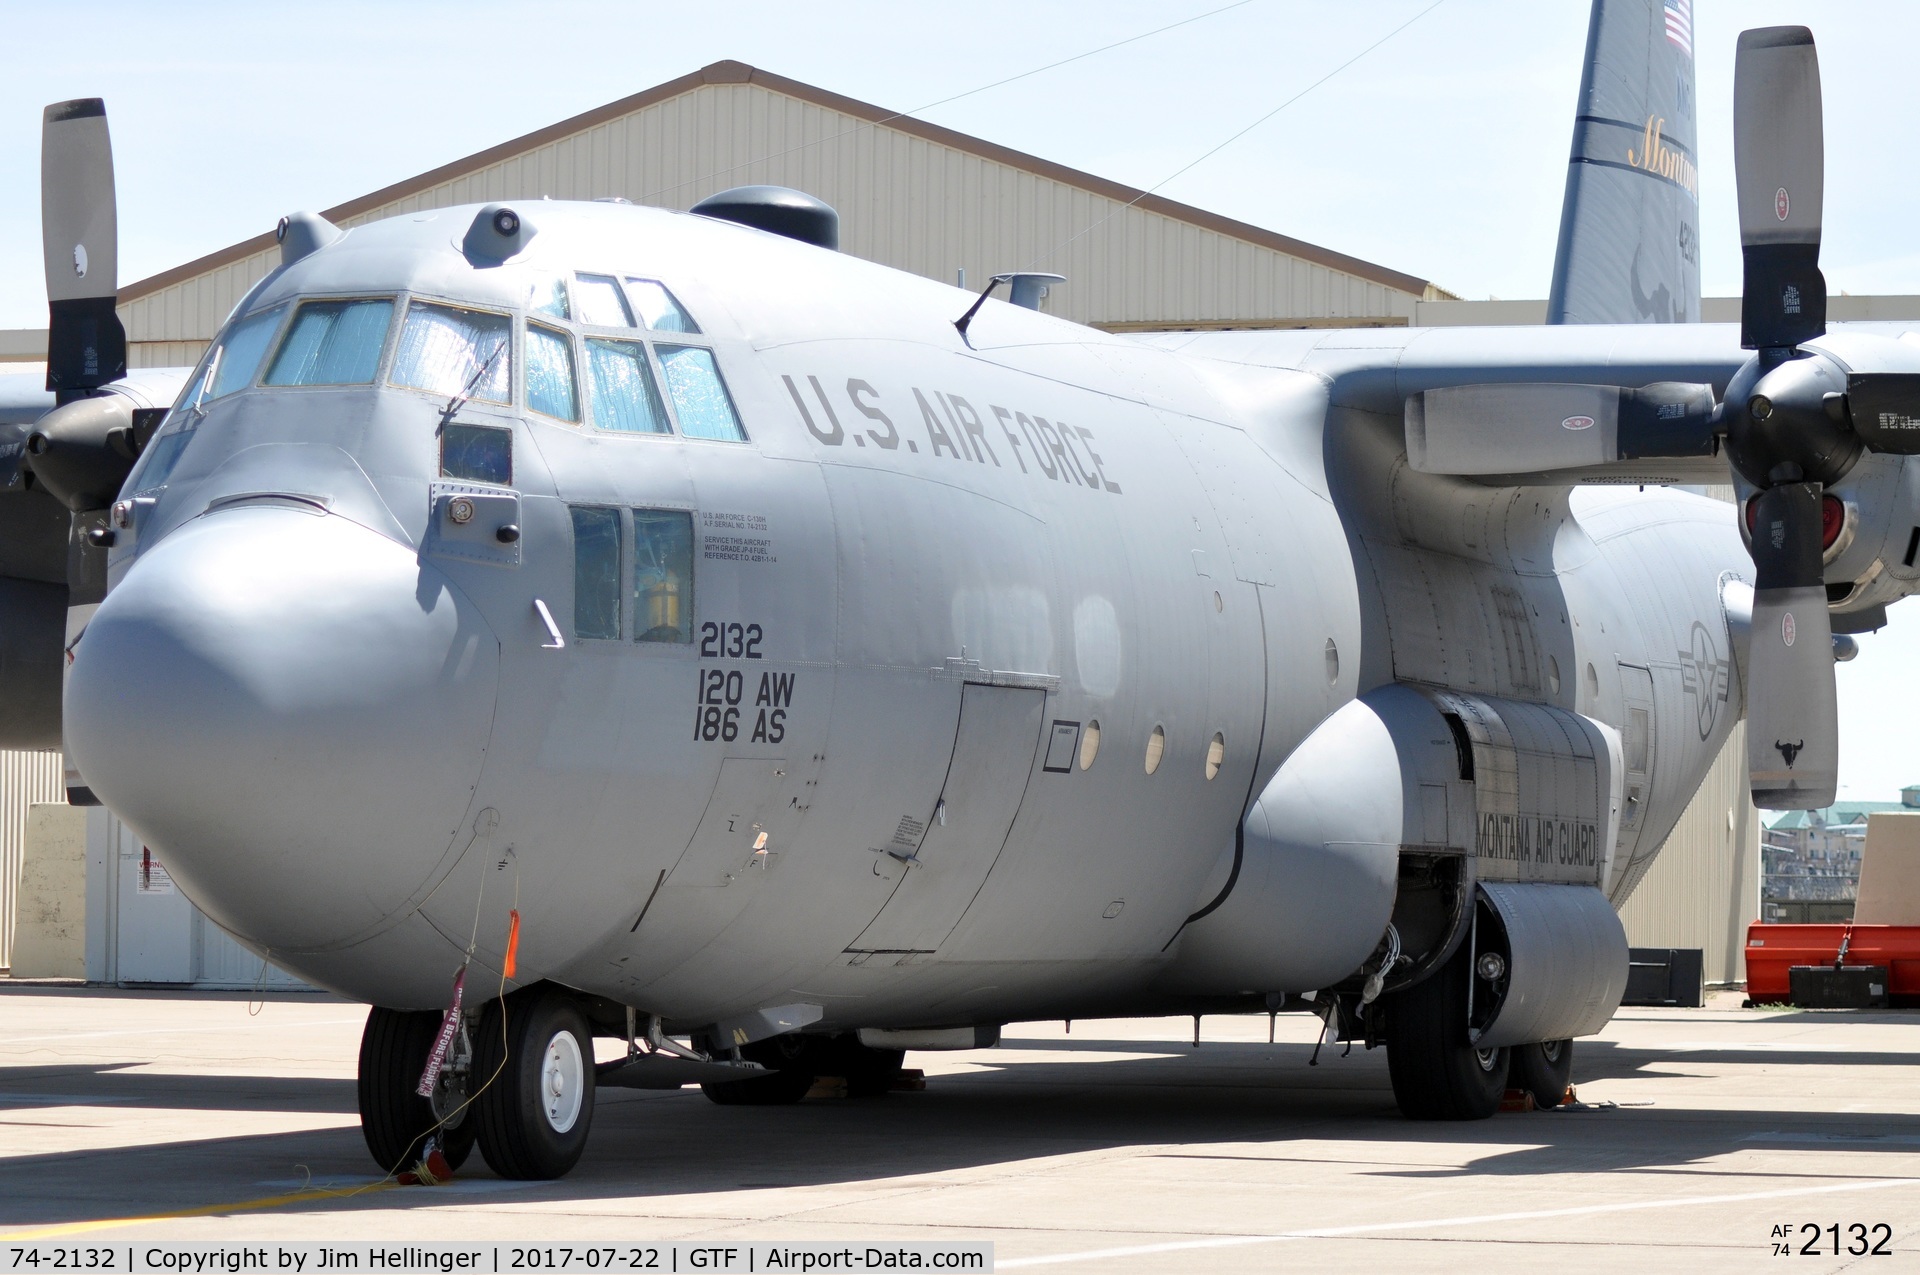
731	72
915	195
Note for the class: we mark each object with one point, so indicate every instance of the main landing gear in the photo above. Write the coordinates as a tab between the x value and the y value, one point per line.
1439	1074
396	1121
1436	1071
796	1061
520	1084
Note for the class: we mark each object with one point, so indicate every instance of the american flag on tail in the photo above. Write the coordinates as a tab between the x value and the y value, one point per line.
1680	25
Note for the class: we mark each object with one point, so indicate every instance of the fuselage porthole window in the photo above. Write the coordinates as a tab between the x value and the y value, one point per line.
332	343
662	575
626	398
551	389
596	572
658	309
700	398
449	350
600	302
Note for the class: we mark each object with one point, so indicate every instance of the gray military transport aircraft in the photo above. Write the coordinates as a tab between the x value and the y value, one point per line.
777	662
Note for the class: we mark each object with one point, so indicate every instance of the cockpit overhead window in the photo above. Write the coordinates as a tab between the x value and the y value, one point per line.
549	297
237	357
625	397
700	397
600	301
550	384
448	350
332	343
657	308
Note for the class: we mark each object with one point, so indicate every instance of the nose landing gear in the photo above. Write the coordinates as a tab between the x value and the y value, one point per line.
395	1120
536	1098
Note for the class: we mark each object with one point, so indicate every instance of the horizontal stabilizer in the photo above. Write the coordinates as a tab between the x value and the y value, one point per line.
1580	430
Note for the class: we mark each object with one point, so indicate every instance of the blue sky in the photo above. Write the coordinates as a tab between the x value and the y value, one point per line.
1442	153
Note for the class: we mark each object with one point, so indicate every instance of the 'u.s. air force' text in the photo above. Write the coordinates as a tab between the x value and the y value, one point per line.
956	431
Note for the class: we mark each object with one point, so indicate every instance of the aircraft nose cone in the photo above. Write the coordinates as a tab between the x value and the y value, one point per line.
292	710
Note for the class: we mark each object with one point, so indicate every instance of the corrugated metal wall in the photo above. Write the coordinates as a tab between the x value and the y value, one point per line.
904	200
1704	887
25	778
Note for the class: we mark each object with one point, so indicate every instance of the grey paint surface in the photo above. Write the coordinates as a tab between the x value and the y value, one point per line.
1201	535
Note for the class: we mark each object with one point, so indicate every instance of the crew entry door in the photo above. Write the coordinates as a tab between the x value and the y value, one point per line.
993	758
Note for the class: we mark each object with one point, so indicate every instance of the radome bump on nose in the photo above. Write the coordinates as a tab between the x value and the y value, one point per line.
293	710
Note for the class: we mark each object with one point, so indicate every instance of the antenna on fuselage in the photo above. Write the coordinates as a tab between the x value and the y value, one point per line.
1028	289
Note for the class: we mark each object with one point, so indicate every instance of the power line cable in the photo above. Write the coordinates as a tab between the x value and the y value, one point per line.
898	115
1236	137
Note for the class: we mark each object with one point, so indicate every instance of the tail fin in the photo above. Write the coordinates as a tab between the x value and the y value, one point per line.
1630	224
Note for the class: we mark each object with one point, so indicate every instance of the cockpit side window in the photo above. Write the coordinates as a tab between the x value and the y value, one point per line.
662	575
448	350
237	357
550	383
600	302
657	308
700	397
596	572
625	397
156	463
332	343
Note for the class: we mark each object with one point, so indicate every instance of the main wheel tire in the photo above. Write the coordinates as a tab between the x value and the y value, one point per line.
395	1120
1437	1073
534	1113
1543	1070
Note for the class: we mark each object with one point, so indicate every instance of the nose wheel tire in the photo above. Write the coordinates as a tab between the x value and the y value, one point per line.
1437	1073
534	1115
1543	1070
395	1120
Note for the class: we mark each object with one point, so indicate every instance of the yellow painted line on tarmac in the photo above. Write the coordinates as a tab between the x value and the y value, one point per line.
206	1210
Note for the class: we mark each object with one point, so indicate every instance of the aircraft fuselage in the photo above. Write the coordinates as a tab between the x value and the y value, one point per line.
935	698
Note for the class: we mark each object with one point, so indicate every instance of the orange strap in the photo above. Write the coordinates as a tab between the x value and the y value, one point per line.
513	943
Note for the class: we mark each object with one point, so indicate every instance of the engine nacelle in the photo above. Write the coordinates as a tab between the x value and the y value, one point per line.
1395	809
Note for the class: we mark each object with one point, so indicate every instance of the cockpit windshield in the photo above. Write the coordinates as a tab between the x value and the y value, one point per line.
444	349
332	343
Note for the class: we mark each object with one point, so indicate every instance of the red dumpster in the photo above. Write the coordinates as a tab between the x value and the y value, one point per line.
1773	949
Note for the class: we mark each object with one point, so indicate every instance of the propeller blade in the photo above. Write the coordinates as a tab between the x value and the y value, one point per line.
1475	430
1793	733
1886	410
86	346
1779	161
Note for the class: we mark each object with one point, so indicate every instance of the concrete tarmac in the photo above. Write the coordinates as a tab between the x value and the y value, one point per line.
1115	1147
